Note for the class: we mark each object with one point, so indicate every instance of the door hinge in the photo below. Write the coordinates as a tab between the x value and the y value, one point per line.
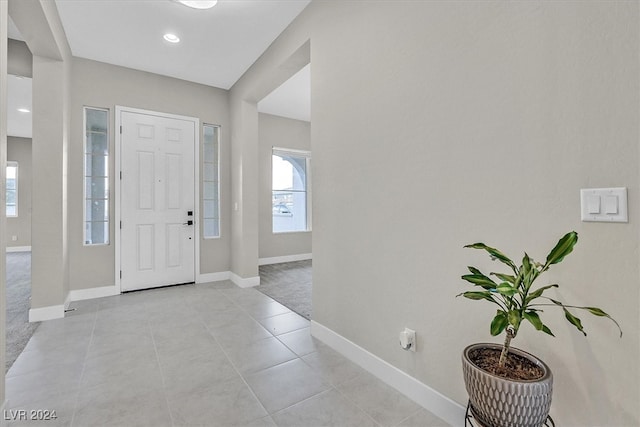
120	225
121	274
120	174
121	129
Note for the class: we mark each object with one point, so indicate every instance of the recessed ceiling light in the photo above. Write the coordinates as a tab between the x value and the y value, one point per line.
199	4
171	38
24	110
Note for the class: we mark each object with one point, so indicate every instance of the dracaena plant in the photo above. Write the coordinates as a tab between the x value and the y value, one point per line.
514	296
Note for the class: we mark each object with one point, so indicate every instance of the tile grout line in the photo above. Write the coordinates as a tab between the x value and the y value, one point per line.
298	357
164	384
304	400
355	404
420	408
275	315
84	365
235	368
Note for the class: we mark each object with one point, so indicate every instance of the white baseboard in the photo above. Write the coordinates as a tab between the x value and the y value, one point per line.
46	313
242	282
213	277
18	249
102	291
286	258
430	399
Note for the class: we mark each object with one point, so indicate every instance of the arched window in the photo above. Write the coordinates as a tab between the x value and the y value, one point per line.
290	196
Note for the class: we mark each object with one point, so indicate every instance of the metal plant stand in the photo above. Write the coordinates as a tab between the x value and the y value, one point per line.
470	421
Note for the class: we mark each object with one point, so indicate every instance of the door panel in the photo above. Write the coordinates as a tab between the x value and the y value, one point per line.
157	191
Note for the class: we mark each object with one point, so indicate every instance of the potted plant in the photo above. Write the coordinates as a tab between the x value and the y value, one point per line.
508	386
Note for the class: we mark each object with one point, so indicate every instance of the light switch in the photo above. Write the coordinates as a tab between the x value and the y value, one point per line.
611	204
604	204
593	204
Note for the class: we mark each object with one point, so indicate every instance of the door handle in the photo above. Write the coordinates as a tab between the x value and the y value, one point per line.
190	222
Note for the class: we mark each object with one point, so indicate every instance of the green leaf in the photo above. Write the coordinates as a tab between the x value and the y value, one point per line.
474	270
596	311
574	321
499	323
480	280
526	264
515	318
478	295
506	289
593	310
538	292
562	249
534	319
599	312
547	330
494	254
529	272
505	277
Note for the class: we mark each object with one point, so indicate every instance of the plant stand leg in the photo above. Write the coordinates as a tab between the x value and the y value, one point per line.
470	421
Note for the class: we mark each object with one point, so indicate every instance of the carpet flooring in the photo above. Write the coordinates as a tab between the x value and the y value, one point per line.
289	283
19	330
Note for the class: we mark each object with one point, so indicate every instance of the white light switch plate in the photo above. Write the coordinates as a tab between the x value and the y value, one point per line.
611	202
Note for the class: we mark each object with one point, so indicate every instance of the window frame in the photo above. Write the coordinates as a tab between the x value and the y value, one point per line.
86	197
13	164
216	164
306	154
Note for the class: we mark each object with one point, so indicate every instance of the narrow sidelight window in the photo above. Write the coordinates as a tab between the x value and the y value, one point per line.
96	176
211	181
12	189
290	195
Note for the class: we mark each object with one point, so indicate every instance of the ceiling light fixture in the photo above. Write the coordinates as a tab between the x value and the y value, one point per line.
171	38
24	110
199	4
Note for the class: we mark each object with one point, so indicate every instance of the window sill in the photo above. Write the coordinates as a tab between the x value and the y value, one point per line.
290	232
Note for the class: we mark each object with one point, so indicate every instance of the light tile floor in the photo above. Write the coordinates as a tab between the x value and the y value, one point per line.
195	355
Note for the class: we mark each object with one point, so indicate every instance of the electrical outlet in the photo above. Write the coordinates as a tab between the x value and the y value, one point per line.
408	339
14	238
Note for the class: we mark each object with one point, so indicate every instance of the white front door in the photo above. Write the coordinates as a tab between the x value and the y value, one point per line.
157	235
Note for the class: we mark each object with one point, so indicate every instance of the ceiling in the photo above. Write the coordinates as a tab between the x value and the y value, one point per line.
12	31
292	99
216	46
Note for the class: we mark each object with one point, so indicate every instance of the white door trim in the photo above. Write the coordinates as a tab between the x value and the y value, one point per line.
196	159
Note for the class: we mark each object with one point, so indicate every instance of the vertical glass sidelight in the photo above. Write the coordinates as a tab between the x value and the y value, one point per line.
12	189
211	181
96	176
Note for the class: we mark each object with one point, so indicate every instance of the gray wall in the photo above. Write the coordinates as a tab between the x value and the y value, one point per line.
19	150
40	23
284	133
4	20
101	85
438	124
20	62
